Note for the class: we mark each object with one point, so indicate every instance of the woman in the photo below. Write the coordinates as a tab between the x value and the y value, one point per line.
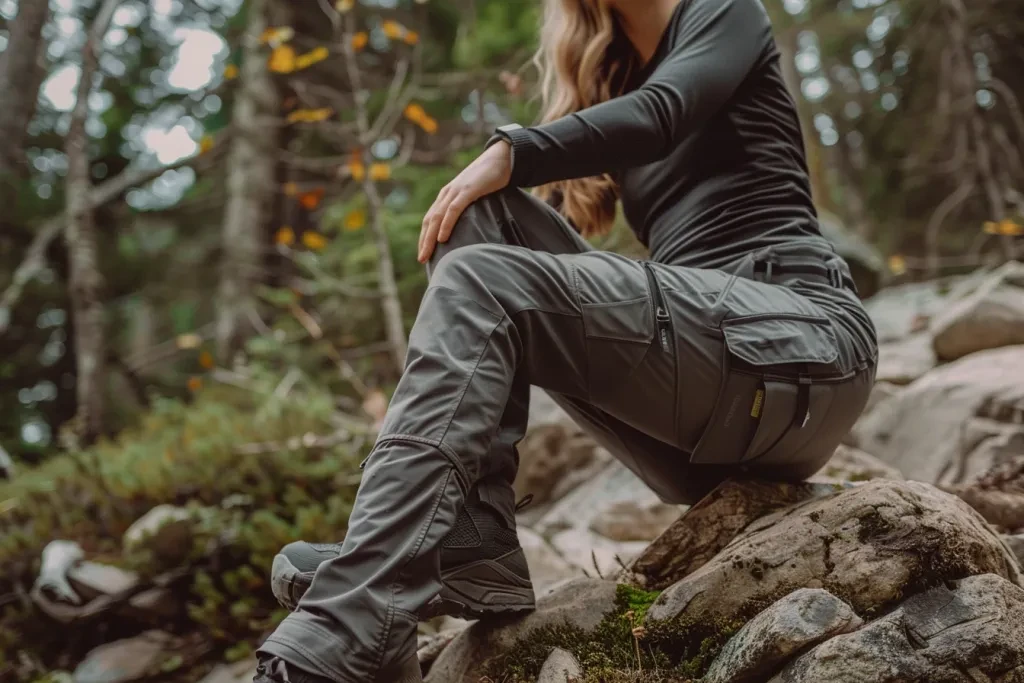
740	347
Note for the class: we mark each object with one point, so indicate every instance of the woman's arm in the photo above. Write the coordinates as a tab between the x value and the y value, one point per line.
718	43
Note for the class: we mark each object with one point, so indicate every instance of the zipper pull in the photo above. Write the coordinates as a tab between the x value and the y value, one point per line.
663	328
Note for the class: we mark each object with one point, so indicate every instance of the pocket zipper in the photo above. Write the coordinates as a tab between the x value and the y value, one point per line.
664	323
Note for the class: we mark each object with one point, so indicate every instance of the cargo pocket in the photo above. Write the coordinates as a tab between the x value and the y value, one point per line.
765	394
619	335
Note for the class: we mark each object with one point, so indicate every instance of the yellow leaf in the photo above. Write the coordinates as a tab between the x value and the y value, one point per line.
277	35
285	236
205	144
230	71
291	189
195	384
414	112
188	341
380	171
897	264
312	57
392	29
206	360
412	37
344	5
355	220
356	169
310	115
1008	227
429	125
360	40
282	60
314	240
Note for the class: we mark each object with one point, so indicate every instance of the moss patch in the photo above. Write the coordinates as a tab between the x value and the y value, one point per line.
622	647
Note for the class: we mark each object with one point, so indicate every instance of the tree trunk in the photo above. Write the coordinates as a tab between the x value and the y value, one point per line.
20	78
250	184
85	281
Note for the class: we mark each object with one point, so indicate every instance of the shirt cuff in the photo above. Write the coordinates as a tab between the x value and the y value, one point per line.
523	154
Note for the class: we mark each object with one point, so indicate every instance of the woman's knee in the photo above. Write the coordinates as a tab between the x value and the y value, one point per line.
472	269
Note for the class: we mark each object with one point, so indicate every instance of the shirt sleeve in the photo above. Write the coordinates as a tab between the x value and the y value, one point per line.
715	46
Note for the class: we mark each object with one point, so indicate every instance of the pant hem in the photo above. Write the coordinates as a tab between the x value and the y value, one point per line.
323	641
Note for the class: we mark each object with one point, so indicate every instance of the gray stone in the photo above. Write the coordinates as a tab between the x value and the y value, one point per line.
581	602
91	580
559	667
904	360
628	520
155	603
851	464
921	430
991	317
595	554
126	660
242	671
547	567
897	311
973	632
165	530
1016	545
804	617
869	544
52	583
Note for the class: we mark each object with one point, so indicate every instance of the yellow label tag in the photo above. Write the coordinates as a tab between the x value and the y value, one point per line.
755	410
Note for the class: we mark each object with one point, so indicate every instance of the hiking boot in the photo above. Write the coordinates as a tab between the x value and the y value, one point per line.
483	568
276	670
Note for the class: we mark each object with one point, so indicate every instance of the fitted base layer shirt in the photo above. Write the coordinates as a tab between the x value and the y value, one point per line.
705	144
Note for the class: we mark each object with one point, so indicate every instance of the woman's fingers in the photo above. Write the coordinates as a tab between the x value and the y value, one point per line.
433	214
457	205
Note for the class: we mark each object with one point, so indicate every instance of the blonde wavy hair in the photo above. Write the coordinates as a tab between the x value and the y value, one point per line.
584	59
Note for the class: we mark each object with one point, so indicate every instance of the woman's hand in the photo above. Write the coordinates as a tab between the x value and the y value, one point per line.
488	173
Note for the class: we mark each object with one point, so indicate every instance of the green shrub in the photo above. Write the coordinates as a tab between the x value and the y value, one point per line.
246	506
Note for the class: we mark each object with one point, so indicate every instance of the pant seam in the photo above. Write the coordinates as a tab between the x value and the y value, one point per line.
586	336
445	450
412	554
469	378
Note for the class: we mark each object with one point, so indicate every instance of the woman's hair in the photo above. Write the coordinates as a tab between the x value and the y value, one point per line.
584	59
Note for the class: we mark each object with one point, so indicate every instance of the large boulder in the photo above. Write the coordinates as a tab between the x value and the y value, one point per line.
906	309
973	631
851	464
868	545
131	659
928	430
990	317
904	360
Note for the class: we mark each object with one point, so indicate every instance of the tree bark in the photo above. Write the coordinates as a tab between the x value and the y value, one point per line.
85	281
250	183
20	78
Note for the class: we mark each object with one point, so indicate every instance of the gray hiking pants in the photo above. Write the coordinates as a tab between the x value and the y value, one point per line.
686	375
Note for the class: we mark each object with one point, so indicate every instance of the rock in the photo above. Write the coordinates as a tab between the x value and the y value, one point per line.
559	667
613	484
922	430
581	602
429	647
973	632
155	603
902	361
869	545
556	455
91	580
879	393
628	520
712	524
165	530
595	554
52	583
126	660
850	464
7	468
547	567
991	317
238	672
804	617
1016	545
997	494
898	311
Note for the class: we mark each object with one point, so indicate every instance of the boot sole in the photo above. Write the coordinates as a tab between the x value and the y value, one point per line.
475	591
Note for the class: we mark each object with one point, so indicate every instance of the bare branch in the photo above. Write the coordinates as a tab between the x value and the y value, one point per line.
938	217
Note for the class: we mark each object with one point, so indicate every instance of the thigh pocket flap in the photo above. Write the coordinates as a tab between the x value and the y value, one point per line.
760	396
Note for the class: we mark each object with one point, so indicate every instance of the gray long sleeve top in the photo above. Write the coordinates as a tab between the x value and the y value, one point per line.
705	144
